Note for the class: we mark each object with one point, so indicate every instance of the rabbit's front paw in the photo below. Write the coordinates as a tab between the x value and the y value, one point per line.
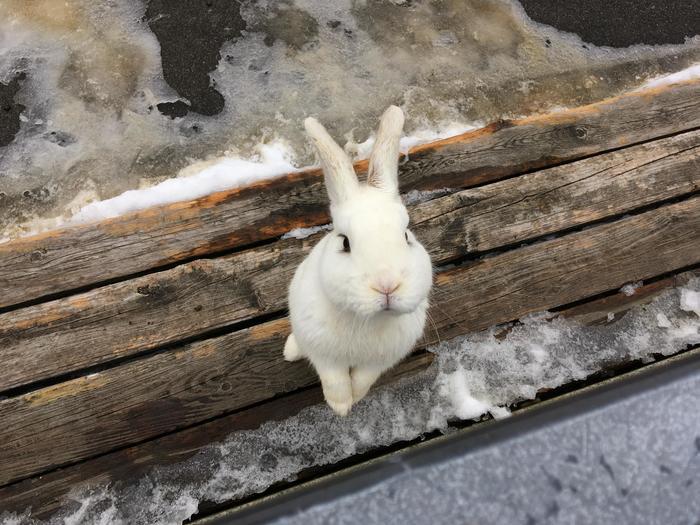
291	349
337	388
340	407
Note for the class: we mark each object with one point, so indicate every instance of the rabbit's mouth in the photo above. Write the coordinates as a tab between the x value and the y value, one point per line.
394	306
388	308
393	312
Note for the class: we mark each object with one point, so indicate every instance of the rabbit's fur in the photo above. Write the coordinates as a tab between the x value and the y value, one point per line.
358	302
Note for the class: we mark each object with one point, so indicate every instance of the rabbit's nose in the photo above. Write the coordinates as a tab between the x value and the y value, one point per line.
386	288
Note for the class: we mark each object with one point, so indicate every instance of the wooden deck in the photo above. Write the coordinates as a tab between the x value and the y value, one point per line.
137	341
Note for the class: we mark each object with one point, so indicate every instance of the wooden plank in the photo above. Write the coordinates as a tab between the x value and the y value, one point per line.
547	274
129	317
71	258
169	390
555	199
49	493
598	311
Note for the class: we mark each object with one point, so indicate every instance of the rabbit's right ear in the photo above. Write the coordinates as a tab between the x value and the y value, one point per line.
339	174
384	161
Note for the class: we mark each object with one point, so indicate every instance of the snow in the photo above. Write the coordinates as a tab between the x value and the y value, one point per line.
690	301
662	321
303	233
472	375
227	173
631	288
418	196
464	404
418	137
689	73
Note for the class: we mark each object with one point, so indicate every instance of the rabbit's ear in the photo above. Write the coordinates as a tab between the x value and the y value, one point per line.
339	174
384	162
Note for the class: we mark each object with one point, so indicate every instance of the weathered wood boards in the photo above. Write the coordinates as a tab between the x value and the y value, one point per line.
69	259
160	393
192	299
48	493
566	269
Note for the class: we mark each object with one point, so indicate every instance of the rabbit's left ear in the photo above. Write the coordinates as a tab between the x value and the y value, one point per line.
384	161
338	173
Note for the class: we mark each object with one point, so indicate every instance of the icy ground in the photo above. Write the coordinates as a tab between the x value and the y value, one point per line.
635	462
482	373
99	98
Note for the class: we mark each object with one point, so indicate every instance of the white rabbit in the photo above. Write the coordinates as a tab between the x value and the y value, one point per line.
358	302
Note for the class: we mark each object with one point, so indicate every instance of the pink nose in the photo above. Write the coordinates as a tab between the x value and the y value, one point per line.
387	288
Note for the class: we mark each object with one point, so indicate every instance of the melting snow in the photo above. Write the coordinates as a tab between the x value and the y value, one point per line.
90	78
631	288
303	233
227	173
689	73
690	301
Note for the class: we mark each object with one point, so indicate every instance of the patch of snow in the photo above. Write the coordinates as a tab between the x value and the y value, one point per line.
662	321
689	73
227	173
471	375
303	233
464	404
499	412
690	301
631	288
418	196
418	137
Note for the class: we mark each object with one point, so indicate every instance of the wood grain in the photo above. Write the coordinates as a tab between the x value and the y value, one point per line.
50	493
158	394
72	258
191	300
564	270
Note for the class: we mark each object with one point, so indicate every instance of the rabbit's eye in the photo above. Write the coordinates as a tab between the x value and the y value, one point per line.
346	243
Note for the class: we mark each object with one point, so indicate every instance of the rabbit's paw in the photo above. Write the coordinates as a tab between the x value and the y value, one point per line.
340	407
337	388
291	349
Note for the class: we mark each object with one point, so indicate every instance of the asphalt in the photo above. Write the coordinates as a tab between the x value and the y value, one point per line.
190	36
9	109
620	23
